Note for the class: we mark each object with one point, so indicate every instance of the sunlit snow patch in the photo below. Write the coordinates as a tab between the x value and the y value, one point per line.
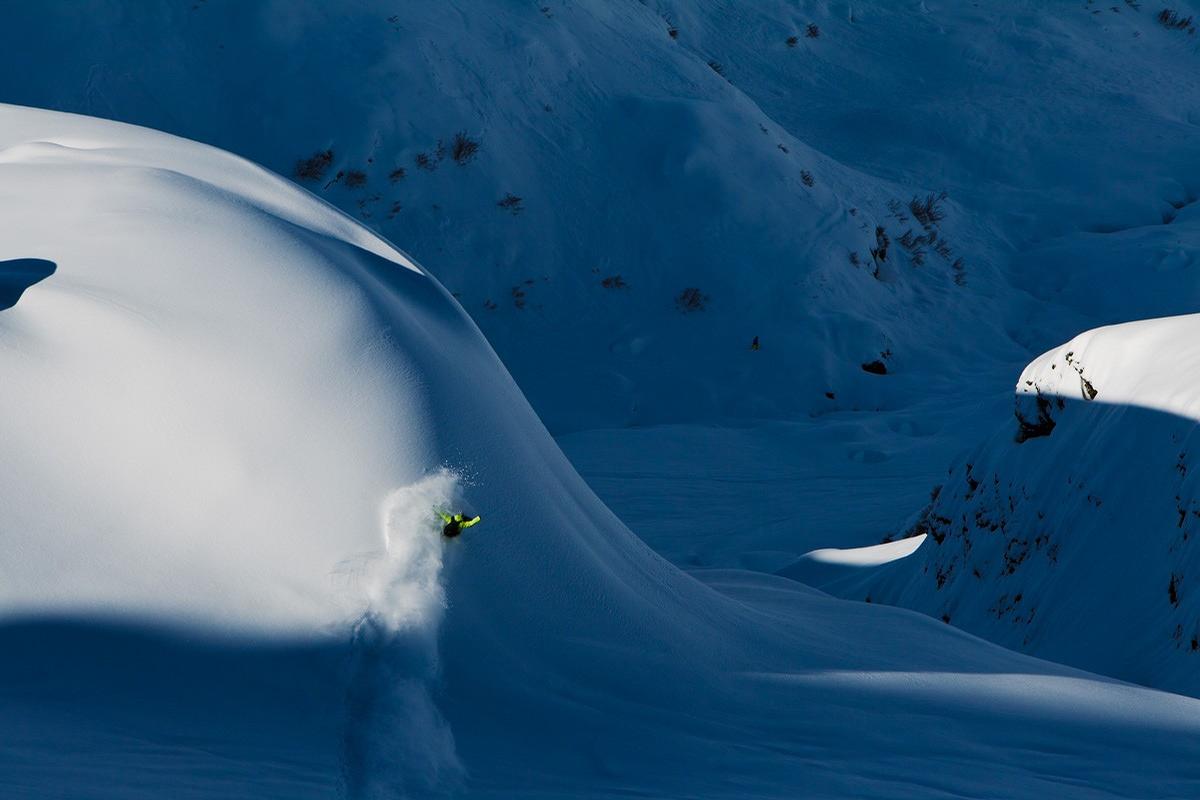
871	556
819	567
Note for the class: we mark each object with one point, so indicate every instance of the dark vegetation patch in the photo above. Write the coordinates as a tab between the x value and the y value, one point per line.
691	299
1171	20
314	167
463	148
511	203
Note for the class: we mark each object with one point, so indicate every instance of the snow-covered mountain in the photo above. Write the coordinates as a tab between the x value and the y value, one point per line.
230	407
746	152
237	410
663	147
653	151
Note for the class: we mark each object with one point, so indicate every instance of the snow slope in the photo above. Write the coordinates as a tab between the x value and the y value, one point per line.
1065	136
1047	124
234	410
633	158
1069	533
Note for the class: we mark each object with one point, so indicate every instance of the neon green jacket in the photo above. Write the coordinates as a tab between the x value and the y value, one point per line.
456	523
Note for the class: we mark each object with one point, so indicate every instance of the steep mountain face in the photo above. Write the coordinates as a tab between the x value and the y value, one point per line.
1071	532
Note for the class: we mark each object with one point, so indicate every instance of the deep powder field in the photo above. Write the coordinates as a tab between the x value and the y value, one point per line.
824	376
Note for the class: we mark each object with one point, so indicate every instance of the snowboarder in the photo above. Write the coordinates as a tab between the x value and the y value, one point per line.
456	523
754	344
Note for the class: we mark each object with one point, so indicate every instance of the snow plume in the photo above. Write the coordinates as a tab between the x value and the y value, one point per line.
396	742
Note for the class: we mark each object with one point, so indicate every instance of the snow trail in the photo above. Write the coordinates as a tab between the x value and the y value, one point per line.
396	742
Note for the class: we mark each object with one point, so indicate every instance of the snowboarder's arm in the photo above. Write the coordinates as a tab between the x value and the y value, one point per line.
466	523
445	517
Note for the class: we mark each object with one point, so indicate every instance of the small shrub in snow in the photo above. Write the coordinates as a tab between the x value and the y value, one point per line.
915	245
463	148
896	209
397	175
807	178
423	161
673	32
927	211
366	201
355	179
614	282
876	367
511	203
1171	20
717	67
812	31
792	41
314	167
959	268
691	299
